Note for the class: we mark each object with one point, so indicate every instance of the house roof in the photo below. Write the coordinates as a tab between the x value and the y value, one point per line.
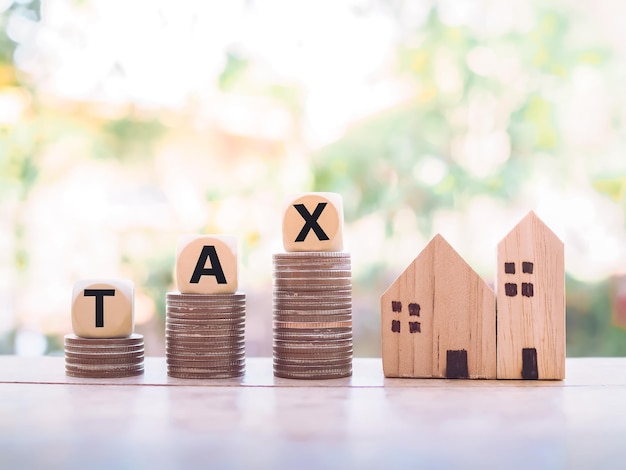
531	223
439	249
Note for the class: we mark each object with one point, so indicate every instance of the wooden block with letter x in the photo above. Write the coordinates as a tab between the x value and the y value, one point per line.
207	264
103	308
313	222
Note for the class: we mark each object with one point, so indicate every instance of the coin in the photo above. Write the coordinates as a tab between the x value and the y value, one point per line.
206	355
287	274
308	306
217	297
209	327
104	350
217	342
205	375
325	295
113	374
313	373
311	344
74	340
104	357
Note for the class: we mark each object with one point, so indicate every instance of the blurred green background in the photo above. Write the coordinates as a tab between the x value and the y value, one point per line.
124	125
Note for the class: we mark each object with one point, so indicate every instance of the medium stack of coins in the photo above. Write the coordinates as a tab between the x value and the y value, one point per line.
103	357
312	315
204	335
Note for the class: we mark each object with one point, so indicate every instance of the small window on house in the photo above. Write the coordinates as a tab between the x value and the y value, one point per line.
414	310
415	327
510	289
396	306
528	290
509	268
527	267
395	326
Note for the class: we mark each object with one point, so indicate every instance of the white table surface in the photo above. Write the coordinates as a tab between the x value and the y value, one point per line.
49	420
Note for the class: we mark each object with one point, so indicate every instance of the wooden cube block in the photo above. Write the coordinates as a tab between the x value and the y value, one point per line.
103	308
313	222
207	264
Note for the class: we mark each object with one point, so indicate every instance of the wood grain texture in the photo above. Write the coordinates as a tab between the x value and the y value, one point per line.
456	312
531	302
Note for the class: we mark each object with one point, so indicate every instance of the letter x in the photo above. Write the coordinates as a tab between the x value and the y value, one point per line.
311	222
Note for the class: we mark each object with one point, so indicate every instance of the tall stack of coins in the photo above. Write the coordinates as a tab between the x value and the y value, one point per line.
104	357
205	321
313	291
103	344
312	315
204	335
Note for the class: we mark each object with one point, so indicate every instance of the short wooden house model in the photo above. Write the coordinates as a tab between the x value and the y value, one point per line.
439	319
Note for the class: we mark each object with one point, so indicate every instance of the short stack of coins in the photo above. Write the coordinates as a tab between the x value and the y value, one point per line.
205	320
312	291
312	315
104	357
104	344
204	335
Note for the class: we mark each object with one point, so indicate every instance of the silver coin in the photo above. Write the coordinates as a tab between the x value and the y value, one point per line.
309	306
205	375
103	367
73	340
314	312
304	364
205	342
205	321
111	358
216	336
313	374
325	295
318	344
180	295
115	374
107	351
318	274
311	254
302	325
198	325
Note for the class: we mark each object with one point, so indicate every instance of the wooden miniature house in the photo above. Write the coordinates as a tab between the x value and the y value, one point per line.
531	303
438	319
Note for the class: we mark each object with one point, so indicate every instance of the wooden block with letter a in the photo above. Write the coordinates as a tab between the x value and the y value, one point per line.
103	308
531	303
313	222
438	319
207	264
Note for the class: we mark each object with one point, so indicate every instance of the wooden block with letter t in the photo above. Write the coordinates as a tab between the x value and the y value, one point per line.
531	303
103	308
438	319
313	222
207	264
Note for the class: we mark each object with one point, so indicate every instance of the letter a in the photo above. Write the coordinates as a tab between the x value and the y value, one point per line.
208	251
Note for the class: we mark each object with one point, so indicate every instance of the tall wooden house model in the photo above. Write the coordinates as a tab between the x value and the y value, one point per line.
531	303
